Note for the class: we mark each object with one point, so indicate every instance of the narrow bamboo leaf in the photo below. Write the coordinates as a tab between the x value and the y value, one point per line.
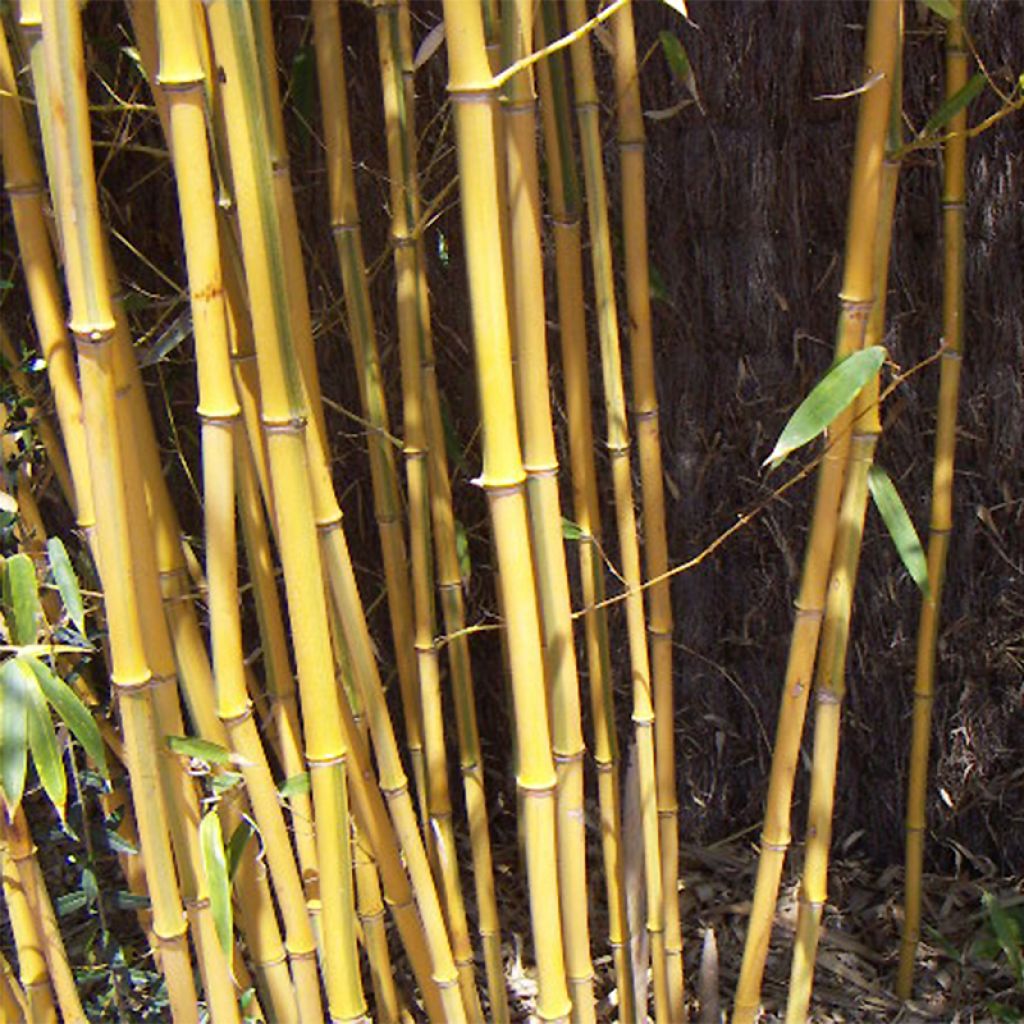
211	841
224	780
679	63
948	110
69	902
303	85
67	582
15	679
73	713
23	588
571	530
659	290
203	750
943	8
42	742
675	54
431	44
125	900
236	846
296	785
679	6
118	843
462	551
829	397
8	503
901	529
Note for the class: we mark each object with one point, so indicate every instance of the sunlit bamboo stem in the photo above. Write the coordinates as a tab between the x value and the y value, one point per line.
830	672
856	298
632	145
92	324
541	466
25	927
284	410
564	197
362	332
587	110
503	478
954	201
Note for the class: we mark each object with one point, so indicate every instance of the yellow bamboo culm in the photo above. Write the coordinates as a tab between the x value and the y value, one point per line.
632	145
92	324
954	201
25	927
26	191
473	98
396	58
541	466
830	673
564	197
284	410
410	335
588	110
348	242
181	75
856	301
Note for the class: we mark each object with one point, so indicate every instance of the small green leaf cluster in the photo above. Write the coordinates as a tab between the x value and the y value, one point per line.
32	654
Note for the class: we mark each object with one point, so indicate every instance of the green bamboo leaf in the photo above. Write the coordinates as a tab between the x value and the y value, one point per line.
679	63
23	588
943	8
571	530
901	529
15	679
202	750
1007	933
829	397
73	713
42	741
69	902
67	582
462	552
211	841
948	110
296	785
236	844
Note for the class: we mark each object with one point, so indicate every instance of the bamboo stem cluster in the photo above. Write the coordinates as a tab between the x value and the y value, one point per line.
333	862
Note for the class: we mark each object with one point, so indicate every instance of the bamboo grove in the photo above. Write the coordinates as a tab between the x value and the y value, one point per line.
362	881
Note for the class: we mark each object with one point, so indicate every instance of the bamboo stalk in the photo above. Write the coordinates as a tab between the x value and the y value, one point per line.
395	46
619	450
541	467
632	143
25	926
855	307
473	97
26	191
564	197
387	500
13	1004
284	410
92	325
954	199
182	76
22	852
830	674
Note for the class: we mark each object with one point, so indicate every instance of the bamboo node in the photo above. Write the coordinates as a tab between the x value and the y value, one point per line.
218	419
230	721
300	954
954	204
541	471
92	334
952	353
171	938
634	145
325	762
131	686
534	791
767	844
345	227
810	613
25	191
823	696
643	415
856	308
179	85
329	523
292	425
570	758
